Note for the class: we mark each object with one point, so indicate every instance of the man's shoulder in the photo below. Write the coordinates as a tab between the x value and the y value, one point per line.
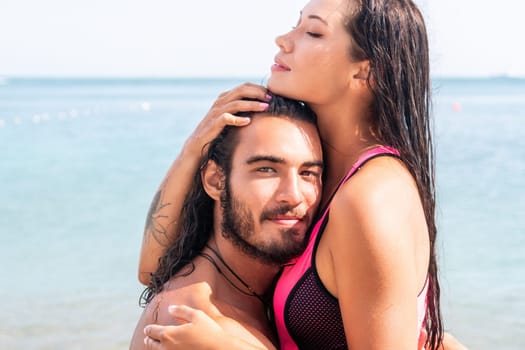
182	292
196	294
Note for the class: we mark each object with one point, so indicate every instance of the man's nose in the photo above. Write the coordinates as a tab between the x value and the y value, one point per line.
290	191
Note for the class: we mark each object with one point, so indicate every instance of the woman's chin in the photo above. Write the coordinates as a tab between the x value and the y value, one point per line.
277	87
272	84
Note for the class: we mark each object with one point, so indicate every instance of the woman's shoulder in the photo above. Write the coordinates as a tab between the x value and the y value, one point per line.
376	198
375	215
378	182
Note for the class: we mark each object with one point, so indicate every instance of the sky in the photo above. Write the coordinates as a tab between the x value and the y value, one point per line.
226	38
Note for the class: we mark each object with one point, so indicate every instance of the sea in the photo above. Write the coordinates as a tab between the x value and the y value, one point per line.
81	158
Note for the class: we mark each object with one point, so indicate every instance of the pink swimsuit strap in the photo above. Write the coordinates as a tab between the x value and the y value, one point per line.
363	158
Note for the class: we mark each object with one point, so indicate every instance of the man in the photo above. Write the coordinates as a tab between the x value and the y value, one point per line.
251	204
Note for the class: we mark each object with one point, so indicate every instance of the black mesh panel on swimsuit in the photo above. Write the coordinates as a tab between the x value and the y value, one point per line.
313	317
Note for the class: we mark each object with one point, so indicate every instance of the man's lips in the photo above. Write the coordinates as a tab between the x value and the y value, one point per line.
287	220
286	215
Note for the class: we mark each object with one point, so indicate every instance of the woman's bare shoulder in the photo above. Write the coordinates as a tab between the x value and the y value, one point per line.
383	184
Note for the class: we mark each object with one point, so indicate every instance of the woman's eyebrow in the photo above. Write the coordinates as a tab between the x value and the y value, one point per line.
315	17
318	18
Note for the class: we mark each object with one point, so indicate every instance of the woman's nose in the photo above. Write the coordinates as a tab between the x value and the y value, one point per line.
284	42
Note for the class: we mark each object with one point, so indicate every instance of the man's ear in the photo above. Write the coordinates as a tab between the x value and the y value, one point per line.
213	179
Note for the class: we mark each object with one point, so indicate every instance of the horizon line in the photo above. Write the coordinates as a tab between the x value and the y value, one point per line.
213	77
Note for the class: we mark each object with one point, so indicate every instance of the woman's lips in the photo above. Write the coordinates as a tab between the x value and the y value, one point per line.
280	66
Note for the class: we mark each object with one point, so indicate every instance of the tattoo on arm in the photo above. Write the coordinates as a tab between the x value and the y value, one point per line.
153	227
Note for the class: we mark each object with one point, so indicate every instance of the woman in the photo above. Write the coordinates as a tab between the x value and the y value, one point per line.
370	267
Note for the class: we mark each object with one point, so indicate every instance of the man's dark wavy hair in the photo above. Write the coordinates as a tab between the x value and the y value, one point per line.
196	220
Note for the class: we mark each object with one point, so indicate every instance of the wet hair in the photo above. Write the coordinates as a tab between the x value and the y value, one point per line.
391	35
196	220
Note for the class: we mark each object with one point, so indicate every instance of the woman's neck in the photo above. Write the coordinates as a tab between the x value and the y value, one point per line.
345	133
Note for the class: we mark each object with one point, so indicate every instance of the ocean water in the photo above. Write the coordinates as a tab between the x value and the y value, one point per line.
80	160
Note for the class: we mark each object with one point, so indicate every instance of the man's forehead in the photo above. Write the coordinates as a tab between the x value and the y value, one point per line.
264	128
279	136
262	120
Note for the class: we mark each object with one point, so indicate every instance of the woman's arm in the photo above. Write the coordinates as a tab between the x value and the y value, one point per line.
196	330
375	232
162	221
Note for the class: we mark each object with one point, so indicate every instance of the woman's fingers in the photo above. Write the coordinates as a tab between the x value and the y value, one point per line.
185	313
237	106
154	331
193	318
230	119
187	332
247	97
236	102
151	344
244	91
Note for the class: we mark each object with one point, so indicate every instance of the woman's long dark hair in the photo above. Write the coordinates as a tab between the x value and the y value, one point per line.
196	220
391	35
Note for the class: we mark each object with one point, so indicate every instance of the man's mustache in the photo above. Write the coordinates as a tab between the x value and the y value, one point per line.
284	210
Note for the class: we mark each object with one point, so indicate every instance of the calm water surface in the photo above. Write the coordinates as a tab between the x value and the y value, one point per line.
81	159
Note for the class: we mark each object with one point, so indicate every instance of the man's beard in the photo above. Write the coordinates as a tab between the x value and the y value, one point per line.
238	226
